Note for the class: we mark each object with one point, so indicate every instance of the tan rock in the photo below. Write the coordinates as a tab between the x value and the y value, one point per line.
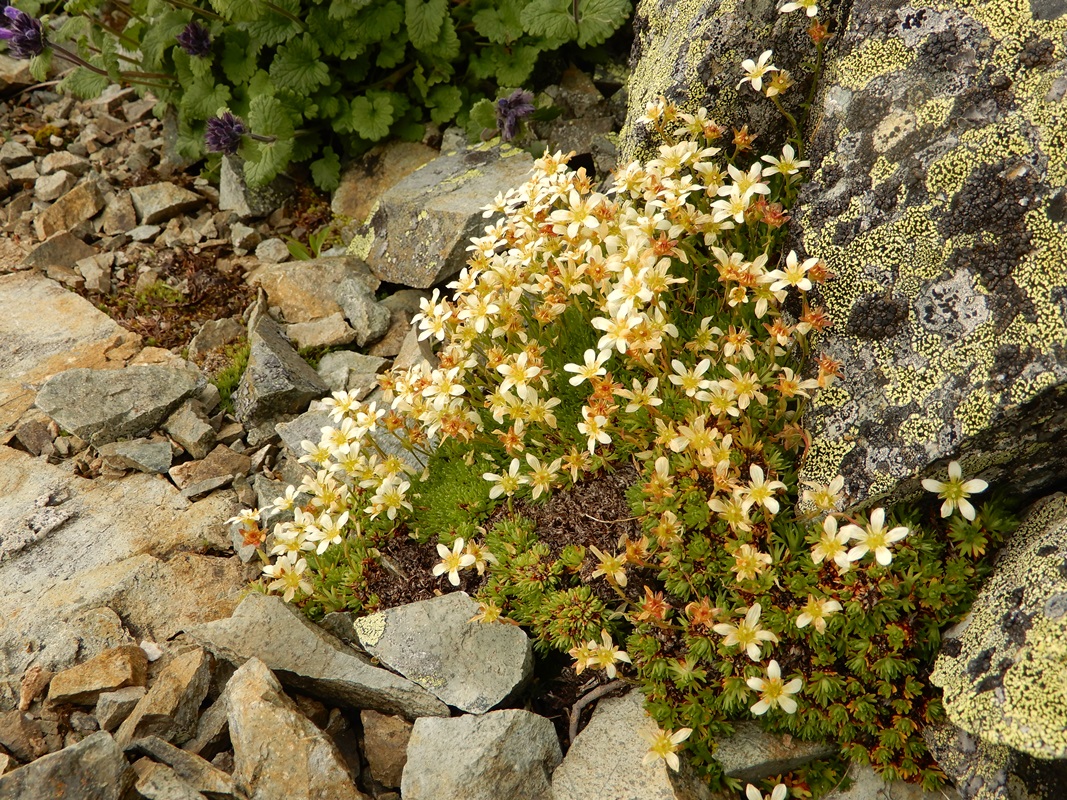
326	332
304	290
113	669
385	744
79	204
169	709
383	166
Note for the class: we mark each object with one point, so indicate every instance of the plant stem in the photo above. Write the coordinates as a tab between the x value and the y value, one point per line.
195	9
125	9
283	12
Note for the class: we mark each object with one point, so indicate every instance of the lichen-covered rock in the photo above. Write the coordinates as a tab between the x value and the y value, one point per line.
1004	668
470	665
307	290
419	232
691	52
938	198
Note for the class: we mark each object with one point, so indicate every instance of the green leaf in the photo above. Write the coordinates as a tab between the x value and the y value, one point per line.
444	102
392	52
326	171
598	19
347	9
551	19
446	47
424	19
203	99
482	118
515	71
161	35
240	58
297	66
268	117
371	116
378	23
501	24
78	7
264	161
274	28
84	84
39	65
190	143
239	10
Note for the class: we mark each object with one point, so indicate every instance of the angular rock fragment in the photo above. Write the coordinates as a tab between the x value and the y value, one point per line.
429	216
63	249
110	671
752	754
215	334
191	768
469	665
278	753
158	202
607	759
143	455
508	753
385	744
92	769
113	707
356	373
329	331
189	427
169	709
21	735
276	380
79	204
369	318
160	782
306	290
235	195
313	661
104	405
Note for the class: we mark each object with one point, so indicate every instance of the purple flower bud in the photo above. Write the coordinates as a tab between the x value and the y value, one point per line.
195	39
224	133
511	110
24	34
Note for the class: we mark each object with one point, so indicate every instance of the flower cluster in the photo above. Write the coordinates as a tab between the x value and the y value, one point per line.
24	34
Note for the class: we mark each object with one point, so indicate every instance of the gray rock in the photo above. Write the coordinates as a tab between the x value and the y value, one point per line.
469	665
144	455
273	251
369	318
752	754
1002	665
606	759
213	335
191	768
246	202
189	427
112	670
159	782
169	709
244	237
309	659
363	182
306	290
14	73
278	753
104	405
143	233
36	435
51	187
200	489
158	202
402	305
385	744
869	785
83	723
24	174
212	731
345	370
119	215
507	753
950	345
62	250
113	707
13	153
64	161
97	272
21	735
79	204
92	769
277	380
222	462
429	216
329	331
307	427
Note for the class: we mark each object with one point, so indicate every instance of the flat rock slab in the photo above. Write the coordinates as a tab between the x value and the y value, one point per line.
419	233
1004	668
279	754
277	380
605	759
102	406
469	665
72	547
110	671
46	329
313	661
936	199
158	202
160	782
79	204
869	785
92	769
508	753
752	754
307	290
195	771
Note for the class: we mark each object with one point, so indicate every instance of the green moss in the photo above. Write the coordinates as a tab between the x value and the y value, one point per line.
453	500
227	379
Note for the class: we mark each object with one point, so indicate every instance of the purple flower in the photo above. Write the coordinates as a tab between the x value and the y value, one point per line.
224	133
195	39
511	110
24	34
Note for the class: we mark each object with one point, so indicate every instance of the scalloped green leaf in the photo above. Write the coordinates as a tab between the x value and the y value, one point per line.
444	102
239	10
550	18
326	171
297	66
267	117
424	19
264	161
500	24
516	68
378	23
599	19
273	27
39	65
240	57
203	99
371	116
84	84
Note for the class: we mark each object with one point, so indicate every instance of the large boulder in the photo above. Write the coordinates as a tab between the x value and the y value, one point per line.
1004	668
419	232
92	769
938	199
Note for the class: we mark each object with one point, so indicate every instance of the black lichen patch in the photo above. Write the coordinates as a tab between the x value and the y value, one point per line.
1016	624
877	316
979	665
952	648
941	49
1037	52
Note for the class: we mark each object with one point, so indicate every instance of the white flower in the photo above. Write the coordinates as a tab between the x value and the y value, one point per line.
874	538
592	368
779	793
810	7
747	633
833	545
816	611
956	491
452	561
773	692
506	482
755	70
665	746
786	165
